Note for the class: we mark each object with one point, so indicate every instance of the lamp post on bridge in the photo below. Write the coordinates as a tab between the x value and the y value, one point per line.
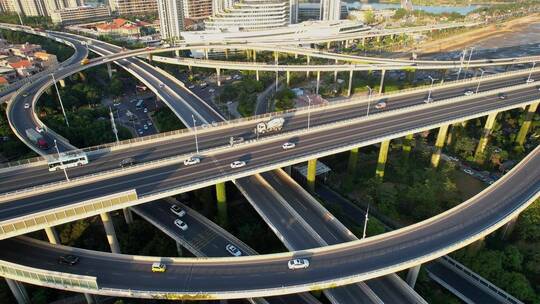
369	99
529	79
60	99
429	99
196	140
479	81
366	219
469	61
461	59
60	159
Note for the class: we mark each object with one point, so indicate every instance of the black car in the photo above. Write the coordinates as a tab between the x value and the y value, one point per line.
68	259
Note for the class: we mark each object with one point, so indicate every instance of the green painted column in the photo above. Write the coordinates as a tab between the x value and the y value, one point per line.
221	197
353	161
531	109
383	156
480	149
407	144
311	173
439	144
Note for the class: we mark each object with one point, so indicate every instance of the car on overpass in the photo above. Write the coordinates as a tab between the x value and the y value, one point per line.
158	267
298	264
192	161
180	224
233	250
177	210
68	259
238	164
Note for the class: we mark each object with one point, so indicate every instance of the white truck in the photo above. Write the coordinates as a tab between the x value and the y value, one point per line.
273	125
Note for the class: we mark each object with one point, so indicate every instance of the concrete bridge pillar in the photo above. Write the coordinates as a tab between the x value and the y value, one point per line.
177	53
288	78
507	229
62	83
247	54
221	198
450	135
89	298
206	54
480	149
328	45
346	44
412	275
335	73
276	57
439	144
308	61
349	91
226	51
257	75
52	235
353	161
522	134
128	216
381	86
111	233
81	75
19	291
318	82
311	174
383	157
277	80
254	56
407	144
364	41
109	70
218	76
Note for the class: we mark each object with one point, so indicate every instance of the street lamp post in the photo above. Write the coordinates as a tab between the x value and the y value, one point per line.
461	59
469	61
529	79
365	223
60	159
60	99
369	99
115	130
196	140
480	80
309	111
428	100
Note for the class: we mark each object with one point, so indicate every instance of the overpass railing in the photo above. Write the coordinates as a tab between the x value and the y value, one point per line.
47	278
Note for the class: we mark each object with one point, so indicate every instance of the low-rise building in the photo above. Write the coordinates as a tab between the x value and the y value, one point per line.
46	60
25	50
24	68
3	82
80	14
118	27
8	73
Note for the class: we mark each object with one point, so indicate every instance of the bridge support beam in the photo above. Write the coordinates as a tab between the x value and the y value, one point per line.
62	83
318	82
328	45
364	41
308	61
226	51
335	73
311	174
218	76
383	157
19	291
221	198
439	144
288	78
480	149
412	275
351	72
276	57
109	70
407	144
111	233
128	215
52	235
381	87
257	75
89	298
353	161
206	54
522	134
254	56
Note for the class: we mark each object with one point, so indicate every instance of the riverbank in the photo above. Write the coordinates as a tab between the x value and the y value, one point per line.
459	41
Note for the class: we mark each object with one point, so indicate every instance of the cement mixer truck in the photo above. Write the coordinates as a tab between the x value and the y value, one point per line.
273	125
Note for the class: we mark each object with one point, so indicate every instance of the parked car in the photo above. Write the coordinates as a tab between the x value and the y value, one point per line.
298	264
180	224
177	210
158	267
238	164
233	250
68	259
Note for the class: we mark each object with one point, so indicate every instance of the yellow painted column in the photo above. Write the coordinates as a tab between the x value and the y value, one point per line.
480	149
439	144
407	144
353	161
311	173
520	138
288	78
383	157
221	197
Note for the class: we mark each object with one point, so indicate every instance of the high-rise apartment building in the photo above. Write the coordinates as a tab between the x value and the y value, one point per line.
220	6
133	7
171	19
251	15
38	7
330	10
197	9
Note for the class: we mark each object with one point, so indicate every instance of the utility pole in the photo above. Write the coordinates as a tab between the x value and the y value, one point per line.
115	131
60	99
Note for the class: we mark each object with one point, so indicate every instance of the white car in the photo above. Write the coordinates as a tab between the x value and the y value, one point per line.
233	250
27	106
211	90
288	145
145	110
149	122
191	86
468	171
380	105
238	164
145	127
192	161
469	93
298	264
177	210
529	80
39	129
161	85
180	224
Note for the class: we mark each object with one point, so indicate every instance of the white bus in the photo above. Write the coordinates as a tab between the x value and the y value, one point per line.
67	160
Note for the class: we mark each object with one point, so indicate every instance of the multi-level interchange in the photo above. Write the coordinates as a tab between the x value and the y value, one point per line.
349	270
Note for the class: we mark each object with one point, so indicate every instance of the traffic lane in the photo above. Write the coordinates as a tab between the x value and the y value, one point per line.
361	257
177	175
170	148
